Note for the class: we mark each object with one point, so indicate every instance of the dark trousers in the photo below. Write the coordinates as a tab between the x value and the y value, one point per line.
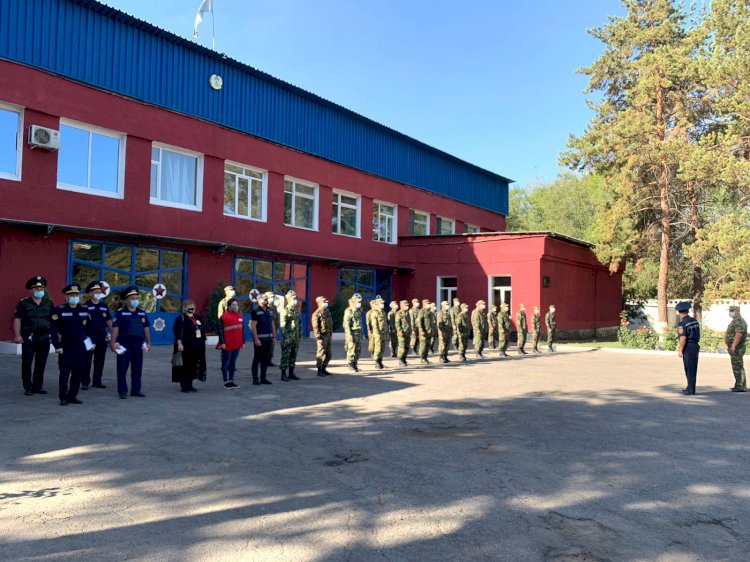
96	357
133	359
690	362
72	362
191	365
34	353
229	363
262	356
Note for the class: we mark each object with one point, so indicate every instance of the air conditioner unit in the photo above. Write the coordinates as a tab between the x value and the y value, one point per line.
42	137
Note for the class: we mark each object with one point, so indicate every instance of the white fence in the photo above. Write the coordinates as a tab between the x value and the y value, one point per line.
715	316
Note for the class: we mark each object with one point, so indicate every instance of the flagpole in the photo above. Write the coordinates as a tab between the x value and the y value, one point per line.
213	29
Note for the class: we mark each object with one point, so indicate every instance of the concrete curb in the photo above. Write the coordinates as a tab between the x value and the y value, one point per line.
656	352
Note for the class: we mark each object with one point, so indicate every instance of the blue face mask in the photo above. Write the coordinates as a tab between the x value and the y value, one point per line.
74	300
134	303
294	302
732	314
38	294
325	305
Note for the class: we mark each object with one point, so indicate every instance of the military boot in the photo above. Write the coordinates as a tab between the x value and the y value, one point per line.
320	371
292	376
283	375
352	368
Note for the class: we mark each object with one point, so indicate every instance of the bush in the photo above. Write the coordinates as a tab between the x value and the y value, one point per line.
670	339
337	313
212	320
641	338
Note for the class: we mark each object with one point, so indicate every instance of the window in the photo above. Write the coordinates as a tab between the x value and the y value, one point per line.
447	289
419	223
500	290
244	192
91	160
300	204
266	275
345	214
445	227
471	229
384	223
11	142
176	178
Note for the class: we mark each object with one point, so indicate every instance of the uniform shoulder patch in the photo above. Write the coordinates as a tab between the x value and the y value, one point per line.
681	330
55	317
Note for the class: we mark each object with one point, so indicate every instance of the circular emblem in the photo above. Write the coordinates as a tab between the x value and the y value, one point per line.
159	291
254	293
159	324
216	82
105	288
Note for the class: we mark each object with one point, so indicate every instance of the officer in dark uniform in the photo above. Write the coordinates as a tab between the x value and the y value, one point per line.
130	332
101	321
689	331
70	330
31	326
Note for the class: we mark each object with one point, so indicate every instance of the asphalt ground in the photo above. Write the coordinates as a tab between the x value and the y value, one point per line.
577	455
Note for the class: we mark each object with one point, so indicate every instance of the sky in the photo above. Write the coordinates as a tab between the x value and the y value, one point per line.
493	82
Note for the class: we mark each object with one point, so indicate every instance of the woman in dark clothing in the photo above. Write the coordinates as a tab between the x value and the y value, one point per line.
190	339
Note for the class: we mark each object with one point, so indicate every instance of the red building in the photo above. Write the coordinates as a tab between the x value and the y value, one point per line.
179	166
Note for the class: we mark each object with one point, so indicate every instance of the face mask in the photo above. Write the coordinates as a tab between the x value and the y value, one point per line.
481	308
97	296
39	294
294	302
74	300
732	314
191	310
325	305
232	293
382	306
234	308
134	303
359	305
416	305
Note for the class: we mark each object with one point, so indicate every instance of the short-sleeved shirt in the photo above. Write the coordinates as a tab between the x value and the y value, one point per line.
100	315
690	329
35	318
131	324
264	319
736	326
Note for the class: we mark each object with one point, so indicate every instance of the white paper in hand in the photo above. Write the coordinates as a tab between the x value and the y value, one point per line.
120	350
89	344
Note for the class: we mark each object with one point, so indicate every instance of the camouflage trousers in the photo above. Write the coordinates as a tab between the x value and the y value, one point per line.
478	343
377	347
353	347
289	353
521	339
738	366
443	345
551	337
502	341
462	344
535	340
403	346
454	339
425	345
414	342
393	336
323	351
492	340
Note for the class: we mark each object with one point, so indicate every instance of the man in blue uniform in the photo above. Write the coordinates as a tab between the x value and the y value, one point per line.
689	331
70	329
31	326
130	332
101	321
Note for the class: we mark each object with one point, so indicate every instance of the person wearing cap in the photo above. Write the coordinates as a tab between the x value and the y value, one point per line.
377	329
272	305
130	331
403	331
290	325
353	331
445	331
424	328
455	311
433	324
536	328
736	337
463	325
492	327
231	341
479	325
414	317
229	293
322	325
522	327
503	330
31	328
550	321
392	331
368	315
101	327
71	325
689	332
263	326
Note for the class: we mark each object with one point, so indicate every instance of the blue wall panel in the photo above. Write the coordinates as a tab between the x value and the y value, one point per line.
97	45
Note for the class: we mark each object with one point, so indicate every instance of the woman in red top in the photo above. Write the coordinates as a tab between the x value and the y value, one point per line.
231	341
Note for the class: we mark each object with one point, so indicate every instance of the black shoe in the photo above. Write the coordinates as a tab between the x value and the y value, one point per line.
84	387
394	355
739	390
402	363
191	389
38	391
141	395
99	385
233	385
63	402
463	358
686	392
292	376
266	382
123	396
505	354
185	390
256	383
228	385
357	369
522	352
480	356
29	393
75	401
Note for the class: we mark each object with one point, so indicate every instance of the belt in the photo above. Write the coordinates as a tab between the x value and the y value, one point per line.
235	327
264	335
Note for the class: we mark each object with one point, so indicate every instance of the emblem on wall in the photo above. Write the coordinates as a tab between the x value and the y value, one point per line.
159	291
105	288
159	324
254	293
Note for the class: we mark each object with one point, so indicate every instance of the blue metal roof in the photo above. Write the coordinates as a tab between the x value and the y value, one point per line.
103	47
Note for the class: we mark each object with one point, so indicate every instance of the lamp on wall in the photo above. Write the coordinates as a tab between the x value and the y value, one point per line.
545	281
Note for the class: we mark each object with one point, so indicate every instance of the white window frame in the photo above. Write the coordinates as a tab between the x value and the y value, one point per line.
439	287
121	138
453	228
198	178
264	192
427	219
468	227
394	236
491	288
358	208
316	200
19	141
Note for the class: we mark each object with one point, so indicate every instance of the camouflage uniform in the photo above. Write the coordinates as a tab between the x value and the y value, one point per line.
353	331
536	328
503	323
392	332
522	326
434	333
322	324
550	320
414	317
378	331
479	325
737	326
462	326
403	331
368	315
425	332
289	322
492	327
455	311
445	333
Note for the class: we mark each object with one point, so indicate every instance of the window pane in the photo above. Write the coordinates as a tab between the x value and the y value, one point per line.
419	229
178	174
287	208
229	194
173	281
146	260
233	169
9	121
105	162
366	277
305	190
256	204
349	221
335	216
254	174
243	197
244	266
147	281
116	281
170	304
73	156
282	271
87	251
154	180
155	154
85	274
263	270
148	300
304	212
118	257
287	186
347	275
243	286
448	282
172	259
348	200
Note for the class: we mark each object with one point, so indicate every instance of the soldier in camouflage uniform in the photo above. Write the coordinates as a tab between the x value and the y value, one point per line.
503	327
522	327
368	314
322	325
479	325
289	323
414	315
736	337
462	325
455	311
550	319
403	331
275	314
392	332
445	331
378	330
536	328
433	323
492	327
425	331
353	331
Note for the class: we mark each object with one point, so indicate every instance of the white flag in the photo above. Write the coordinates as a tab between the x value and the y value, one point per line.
206	6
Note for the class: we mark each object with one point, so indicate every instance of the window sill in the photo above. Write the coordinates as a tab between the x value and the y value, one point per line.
301	227
83	191
354	236
9	177
244	218
386	242
180	206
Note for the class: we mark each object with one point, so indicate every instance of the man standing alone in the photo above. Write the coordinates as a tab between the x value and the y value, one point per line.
735	338
689	331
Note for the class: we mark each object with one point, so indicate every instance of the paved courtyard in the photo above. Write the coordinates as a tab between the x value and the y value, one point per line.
581	455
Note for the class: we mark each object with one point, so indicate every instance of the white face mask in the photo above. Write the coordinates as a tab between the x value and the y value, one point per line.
358	305
234	308
415	305
232	293
325	305
97	296
382	306
294	302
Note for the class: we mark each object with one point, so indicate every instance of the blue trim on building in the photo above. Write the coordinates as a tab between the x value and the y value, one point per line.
94	44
